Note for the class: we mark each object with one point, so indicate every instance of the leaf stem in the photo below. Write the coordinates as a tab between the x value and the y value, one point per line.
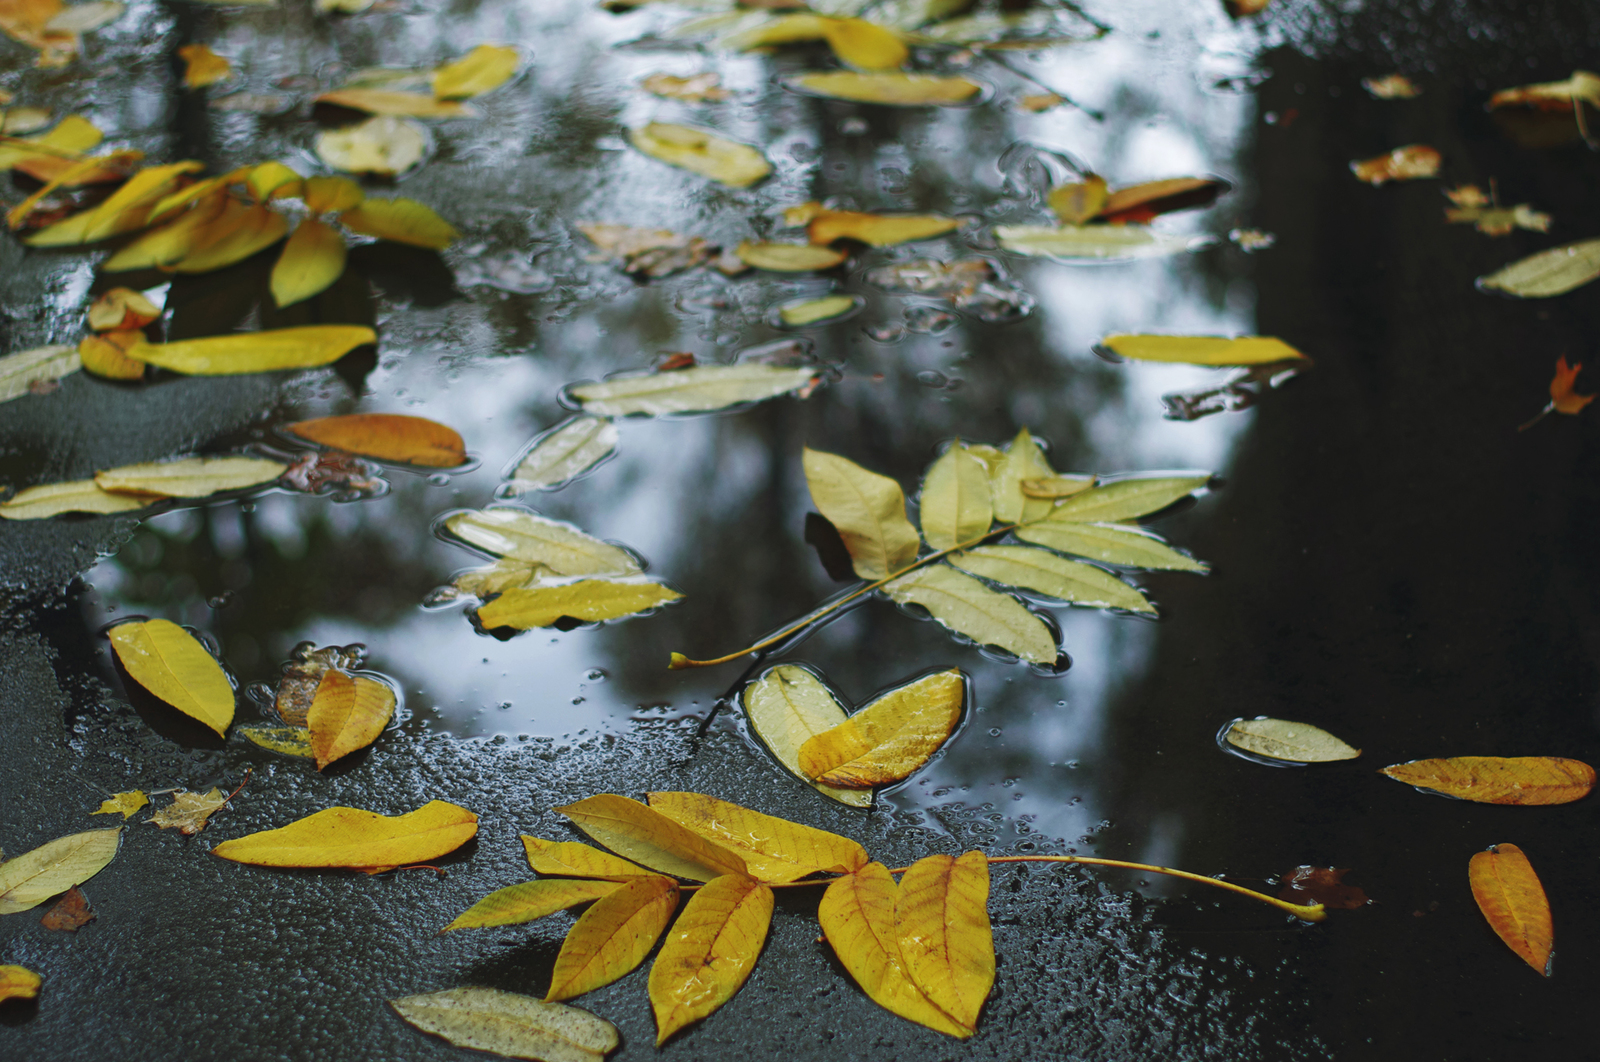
1538	417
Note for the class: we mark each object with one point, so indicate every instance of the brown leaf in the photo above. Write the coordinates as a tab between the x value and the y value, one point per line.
1510	896
1324	885
1407	163
70	912
387	437
1500	780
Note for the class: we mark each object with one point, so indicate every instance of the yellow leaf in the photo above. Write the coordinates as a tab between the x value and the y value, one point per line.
33	877
1142	202
283	348
383	144
1394	87
311	260
865	45
1109	544
285	740
1045	573
613	936
170	205
202	66
15	121
329	195
84	17
486	67
20	371
126	209
564	452
272	180
499	577
504	1023
589	600
363	840
1125	499
893	89
1108	243
1075	204
347	713
876	230
387	437
942	919
401	220
891	738
397	104
171	242
710	952
1500	780
192	477
172	664
805	312
124	804
1203	350
522	535
528	902
868	510
635	832
1548	273
790	257
189	812
966	606
235	234
122	308
697	88
103	356
77	496
703	152
571	859
1054	486
773	849
72	136
857	916
18	982
1023	460
1510	896
788	705
697	390
791	28
1280	739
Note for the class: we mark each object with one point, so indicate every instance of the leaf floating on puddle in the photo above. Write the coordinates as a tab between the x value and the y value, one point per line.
805	312
485	68
387	437
1203	350
1132	547
202	66
77	496
701	151
521	535
18	982
1056	577
529	902
946	944
21	372
1563	96
588	600
1092	242
399	220
969	608
1409	163
868	510
306	347
1500	780
774	849
636	832
701	389
347	713
1279	739
172	664
398	104
33	877
1324	885
787	706
824	226
1548	273
286	740
1510	896
191	477
892	89
789	257
891	738
384	145
511	1025
710	952
360	840
124	804
1391	87
697	88
564	453
613	936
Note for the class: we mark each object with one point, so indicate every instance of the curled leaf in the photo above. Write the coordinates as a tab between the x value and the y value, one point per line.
105	356
1280	739
362	840
774	849
710	952
613	936
1510	896
172	664
387	437
529	902
1500	780
1409	163
35	876
122	308
515	1026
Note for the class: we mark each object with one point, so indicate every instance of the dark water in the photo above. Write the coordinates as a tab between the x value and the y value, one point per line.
1391	559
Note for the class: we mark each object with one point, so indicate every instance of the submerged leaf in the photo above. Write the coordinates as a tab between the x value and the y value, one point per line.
969	608
1391	87
696	390
347	713
774	849
124	804
942	920
697	88
18	982
1500	780
529	902
868	510
576	860
565	452
1510	896
1202	350
515	1026
189	812
33	877
20	372
1045	573
589	600
1548	273
1092	242
891	738
642	835
387	437
893	89
172	664
362	840
1324	885
1409	163
75	496
613	936
703	152
191	477
710	952
521	535
1280	739
305	347
787	706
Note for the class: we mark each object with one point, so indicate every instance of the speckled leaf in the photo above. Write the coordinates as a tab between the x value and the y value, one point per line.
33	877
946	945
613	936
710	952
510	1025
525	536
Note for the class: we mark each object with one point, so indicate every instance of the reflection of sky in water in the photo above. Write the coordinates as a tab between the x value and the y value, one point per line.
492	363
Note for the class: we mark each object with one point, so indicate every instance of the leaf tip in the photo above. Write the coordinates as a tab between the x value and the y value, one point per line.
678	662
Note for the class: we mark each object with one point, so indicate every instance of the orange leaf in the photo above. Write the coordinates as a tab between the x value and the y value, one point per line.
387	437
1402	164
1141	202
1563	395
347	713
70	913
1510	896
1500	780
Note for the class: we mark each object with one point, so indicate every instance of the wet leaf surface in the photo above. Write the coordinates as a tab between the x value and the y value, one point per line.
1500	780
710	951
387	437
891	738
172	664
942	919
1510	896
360	840
1280	739
34	876
510	1025
613	937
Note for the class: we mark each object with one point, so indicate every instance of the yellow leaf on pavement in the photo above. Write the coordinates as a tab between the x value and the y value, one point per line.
284	740
398	104
710	952
865	45
987	617
18	982
330	195
521	535
33	877
700	389
189	812
20	371
789	257
1045	573
703	152
942	919
1281	739
104	356
202	66
1500	780
363	840
891	738
635	832
284	348
786	706
486	67
515	1026
235	234
588	600
773	849
311	260
613	936
877	230
347	713
868	510
571	859
387	437
383	144
1512	899
955	506
192	477
76	496
400	220
857	916
1203	350
528	902
124	804
172	664
893	89
173	241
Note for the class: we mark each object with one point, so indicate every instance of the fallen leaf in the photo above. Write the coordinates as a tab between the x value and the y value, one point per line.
635	832
773	849
701	389
45	156
33	877
82	18
1252	240
529	902
521	535
1391	87
191	477
311	260
987	617
1500	780
857	916
1077	203
1280	739
645	252
941	917
586	600
890	739
286	740
235	234
1039	102
1055	577
202	66
1054	486
171	242
701	151
976	285
1564	397
504	1023
387	437
613	936
1324	885
1407	163
1548	273
485	68
790	257
1132	547
18	982
893	89
361	840
1127	498
805	312
865	45
76	496
1512	899
954	507
190	812
383	144
1487	216
868	510
1561	96
396	104
70	913
824	226
305	347
564	453
347	713
697	88
710	952
1202	350
124	804
326	195
120	309
125	210
1142	202
1092	242
572	859
1023	461
105	356
172	664
788	705
20	371
497	578
400	220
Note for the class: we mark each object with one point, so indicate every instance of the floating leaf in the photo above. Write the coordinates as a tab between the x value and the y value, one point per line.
1127	498
327	195
1202	350
941	917
485	68
400	220
126	209
1053	486
1076	203
396	104
805	312
192	477
81	18
578	860
521	535
347	713
774	849
589	600
648	252
697	88
284	348
287	740
172	664
565	452
529	902
497	578
33	877
202	66
1548	273
122	308
1409	163
311	261
75	496
1280	739
387	437
790	257
1391	87
893	89
697	390
362	840
383	144
969	608
876	230
710	952
1141	202
868	510
70	913
1045	573
173	241
701	151
1512	899
865	45
954	507
1093	242
189	812
1109	544
21	371
891	738
787	706
504	1023
1500	780
613	936
1022	462
124	804
18	982
635	832
857	916
1561	96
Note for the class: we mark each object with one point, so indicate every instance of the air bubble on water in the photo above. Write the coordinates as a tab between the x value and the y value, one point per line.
994	731
929	320
887	333
504	706
595	674
439	479
930	378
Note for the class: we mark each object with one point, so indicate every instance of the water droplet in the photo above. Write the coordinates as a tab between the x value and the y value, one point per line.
929	320
929	378
222	600
888	333
594	674
439	479
853	126
994	731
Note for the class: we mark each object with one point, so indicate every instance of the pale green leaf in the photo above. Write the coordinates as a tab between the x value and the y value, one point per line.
20	371
703	152
787	706
893	89
1110	544
564	453
955	507
33	877
696	390
1126	498
521	535
1548	273
1023	461
969	608
1098	242
868	510
511	1025
805	312
589	600
75	496
1045	573
1280	739
191	477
